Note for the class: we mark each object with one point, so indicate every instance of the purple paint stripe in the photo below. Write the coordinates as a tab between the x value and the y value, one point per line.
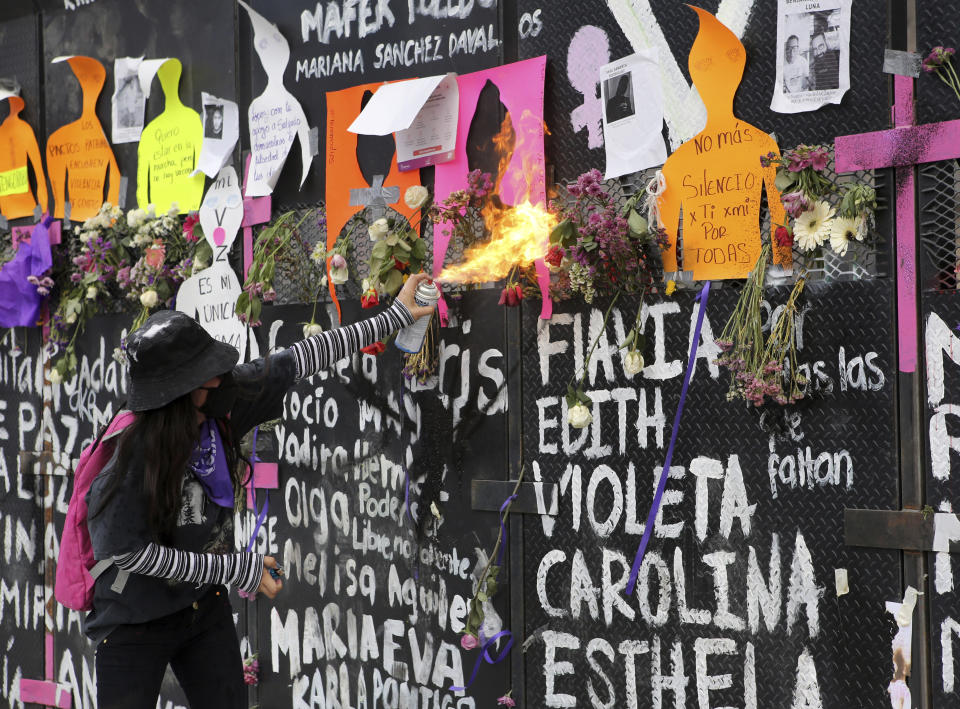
904	145
906	270
662	483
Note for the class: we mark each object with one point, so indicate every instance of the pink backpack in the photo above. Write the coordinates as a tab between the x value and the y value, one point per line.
77	570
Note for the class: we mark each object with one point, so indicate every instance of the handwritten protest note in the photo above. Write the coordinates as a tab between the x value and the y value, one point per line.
716	178
79	158
169	149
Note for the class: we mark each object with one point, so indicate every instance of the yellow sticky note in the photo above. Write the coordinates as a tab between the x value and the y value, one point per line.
14	181
169	148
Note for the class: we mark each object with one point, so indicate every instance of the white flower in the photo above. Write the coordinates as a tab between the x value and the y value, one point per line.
842	230
339	273
149	298
91	292
378	229
415	196
174	209
71	318
633	362
55	377
311	329
86	236
579	416
392	239
136	217
812	227
319	253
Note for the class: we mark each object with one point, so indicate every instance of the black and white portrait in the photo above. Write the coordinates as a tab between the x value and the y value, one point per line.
619	100
213	121
129	102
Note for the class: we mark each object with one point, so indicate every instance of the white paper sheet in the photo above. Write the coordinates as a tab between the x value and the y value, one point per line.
432	137
813	54
394	106
210	296
632	99
128	102
275	117
221	131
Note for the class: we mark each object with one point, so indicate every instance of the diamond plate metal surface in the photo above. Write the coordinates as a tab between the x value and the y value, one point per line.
851	647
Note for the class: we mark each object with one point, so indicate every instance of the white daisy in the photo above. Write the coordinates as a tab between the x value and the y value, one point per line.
841	232
812	227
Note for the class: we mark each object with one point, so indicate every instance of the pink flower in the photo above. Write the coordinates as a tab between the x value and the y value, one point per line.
469	642
338	261
188	224
506	701
155	254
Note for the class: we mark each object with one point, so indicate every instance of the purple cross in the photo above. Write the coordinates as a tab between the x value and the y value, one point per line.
902	147
256	210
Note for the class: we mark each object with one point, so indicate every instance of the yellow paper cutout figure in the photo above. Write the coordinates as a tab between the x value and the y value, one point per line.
79	157
716	178
18	146
169	148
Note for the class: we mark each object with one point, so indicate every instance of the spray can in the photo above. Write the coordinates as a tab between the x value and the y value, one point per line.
410	338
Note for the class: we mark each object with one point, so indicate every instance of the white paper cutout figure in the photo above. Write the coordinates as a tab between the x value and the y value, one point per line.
275	116
211	295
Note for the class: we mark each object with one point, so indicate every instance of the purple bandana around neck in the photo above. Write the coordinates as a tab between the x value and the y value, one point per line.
209	465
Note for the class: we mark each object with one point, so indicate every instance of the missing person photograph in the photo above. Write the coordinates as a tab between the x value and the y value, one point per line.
618	91
812	56
213	121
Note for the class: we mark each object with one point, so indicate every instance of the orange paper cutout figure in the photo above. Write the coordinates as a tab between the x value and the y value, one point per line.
18	145
716	178
351	187
79	157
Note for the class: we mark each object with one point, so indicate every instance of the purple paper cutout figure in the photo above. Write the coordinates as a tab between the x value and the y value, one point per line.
19	300
589	50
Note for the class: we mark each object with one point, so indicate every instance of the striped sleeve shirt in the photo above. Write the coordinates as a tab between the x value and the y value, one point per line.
242	570
320	351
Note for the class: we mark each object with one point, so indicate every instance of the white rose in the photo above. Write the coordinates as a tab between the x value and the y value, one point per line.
579	416
633	362
378	229
71	318
91	292
392	240
415	196
149	299
339	276
85	237
55	377
311	329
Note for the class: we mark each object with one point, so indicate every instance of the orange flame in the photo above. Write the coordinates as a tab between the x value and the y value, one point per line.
519	235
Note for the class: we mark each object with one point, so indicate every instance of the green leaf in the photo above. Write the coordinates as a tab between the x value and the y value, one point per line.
572	400
242	301
785	180
256	307
491	587
640	343
584	399
419	249
380	249
482	597
560	231
393	282
638	225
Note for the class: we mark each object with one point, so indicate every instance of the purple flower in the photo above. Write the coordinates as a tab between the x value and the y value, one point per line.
506	701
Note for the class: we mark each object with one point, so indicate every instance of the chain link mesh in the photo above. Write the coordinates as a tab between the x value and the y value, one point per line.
940	224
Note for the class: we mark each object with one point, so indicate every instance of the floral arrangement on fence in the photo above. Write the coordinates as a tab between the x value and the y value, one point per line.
282	251
940	64
819	209
762	368
398	249
135	258
600	248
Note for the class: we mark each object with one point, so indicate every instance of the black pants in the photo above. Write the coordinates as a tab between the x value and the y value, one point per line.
201	646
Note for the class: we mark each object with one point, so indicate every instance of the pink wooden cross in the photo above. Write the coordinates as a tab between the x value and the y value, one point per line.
256	210
902	147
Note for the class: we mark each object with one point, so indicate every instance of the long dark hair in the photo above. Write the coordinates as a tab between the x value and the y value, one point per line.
166	438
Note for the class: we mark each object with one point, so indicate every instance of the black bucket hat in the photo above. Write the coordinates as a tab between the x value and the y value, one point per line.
171	355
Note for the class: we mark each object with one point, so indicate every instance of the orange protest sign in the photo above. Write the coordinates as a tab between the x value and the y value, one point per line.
18	147
79	156
716	178
361	169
